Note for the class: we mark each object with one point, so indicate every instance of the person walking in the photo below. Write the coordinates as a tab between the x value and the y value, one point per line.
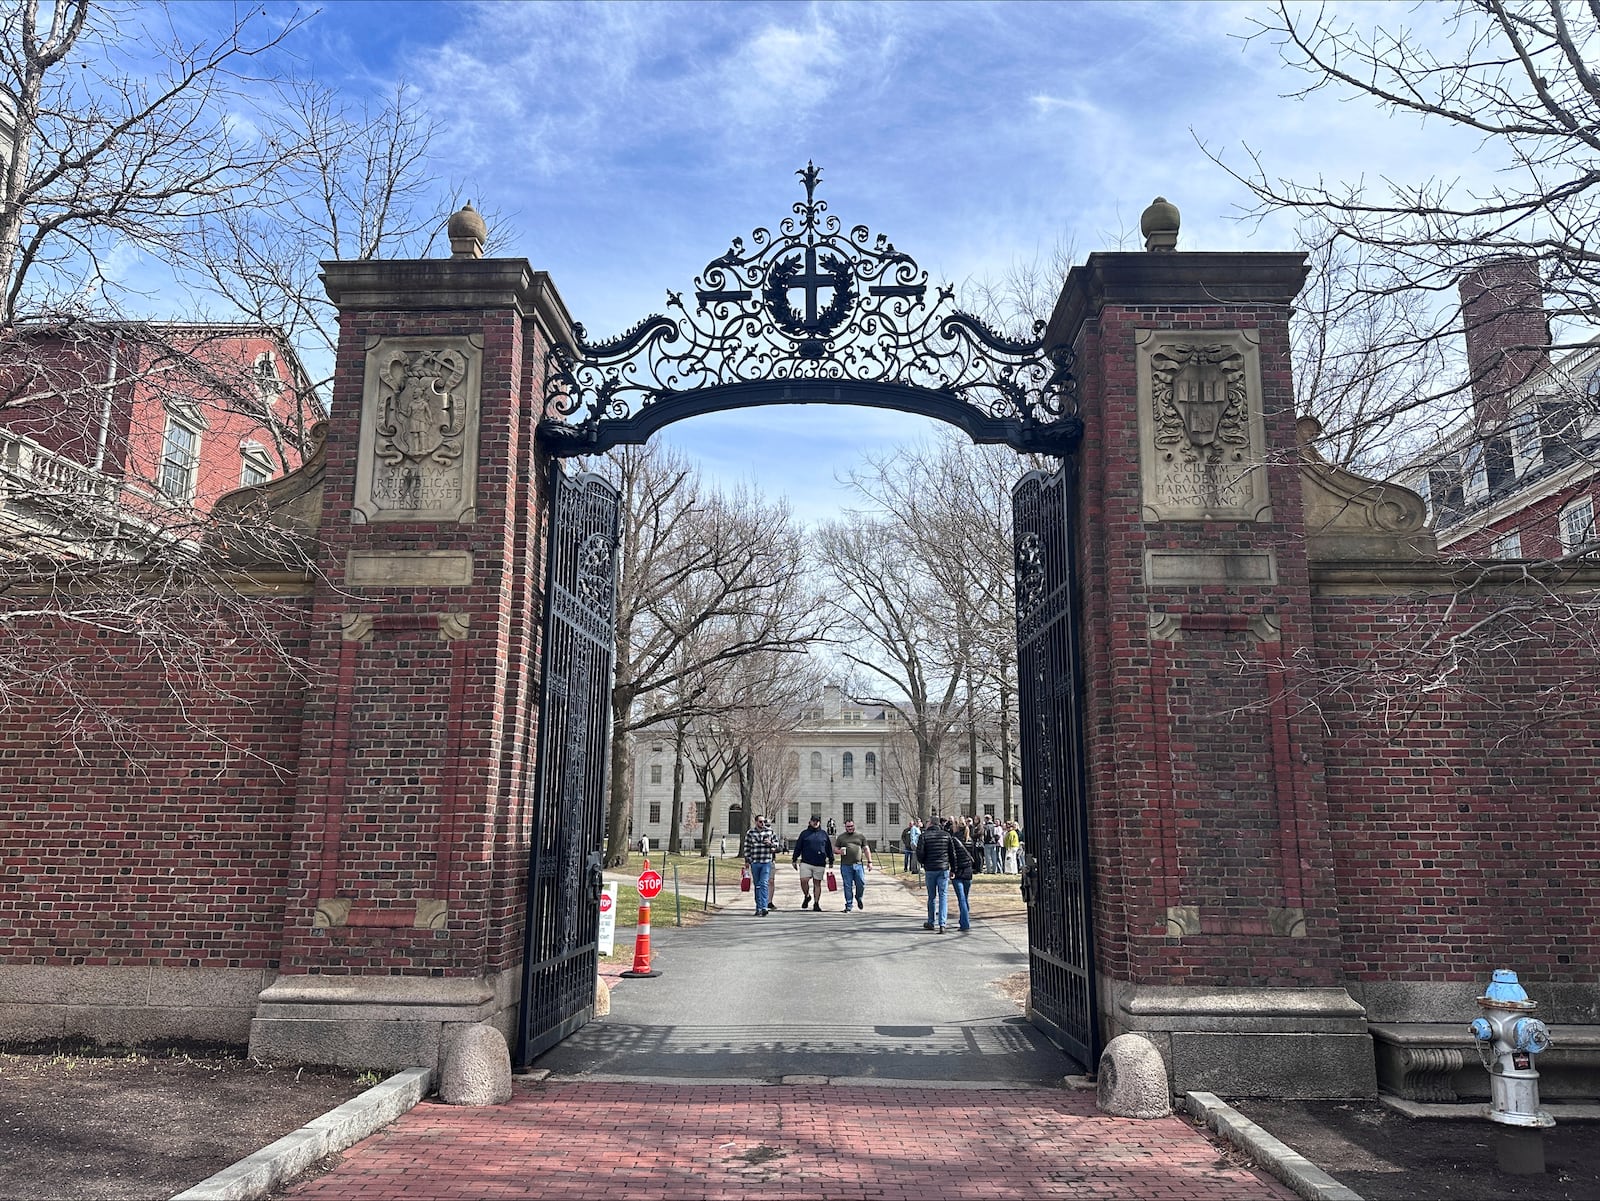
934	854
759	850
1011	843
855	861
644	844
908	842
992	833
813	855
962	862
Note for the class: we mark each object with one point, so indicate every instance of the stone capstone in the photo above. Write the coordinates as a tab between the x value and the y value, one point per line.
1133	1079
477	1068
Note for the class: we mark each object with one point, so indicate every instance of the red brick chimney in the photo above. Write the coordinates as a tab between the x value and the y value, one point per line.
1508	333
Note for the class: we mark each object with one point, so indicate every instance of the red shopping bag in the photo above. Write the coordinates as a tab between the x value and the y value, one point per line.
744	879
833	881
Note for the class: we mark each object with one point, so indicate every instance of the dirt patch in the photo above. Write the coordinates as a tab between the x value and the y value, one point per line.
75	1127
1014	988
1386	1156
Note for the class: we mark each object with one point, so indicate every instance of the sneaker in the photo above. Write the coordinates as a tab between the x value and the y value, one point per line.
927	925
761	913
861	904
806	903
941	929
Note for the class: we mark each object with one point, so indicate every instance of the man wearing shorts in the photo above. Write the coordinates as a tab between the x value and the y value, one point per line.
813	856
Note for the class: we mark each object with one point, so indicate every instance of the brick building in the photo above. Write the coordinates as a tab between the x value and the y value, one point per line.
1519	479
1301	866
842	762
118	430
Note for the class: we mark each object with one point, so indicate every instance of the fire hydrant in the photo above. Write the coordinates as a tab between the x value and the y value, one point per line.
1508	1038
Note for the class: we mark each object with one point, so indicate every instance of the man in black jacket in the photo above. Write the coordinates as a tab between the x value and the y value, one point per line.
936	855
813	855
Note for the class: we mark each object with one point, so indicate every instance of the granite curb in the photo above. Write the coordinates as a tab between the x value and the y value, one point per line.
254	1176
1277	1157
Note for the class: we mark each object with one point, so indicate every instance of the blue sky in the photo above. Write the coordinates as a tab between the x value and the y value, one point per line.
621	146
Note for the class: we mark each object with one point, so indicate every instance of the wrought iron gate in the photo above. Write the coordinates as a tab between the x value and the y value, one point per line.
564	859
1054	778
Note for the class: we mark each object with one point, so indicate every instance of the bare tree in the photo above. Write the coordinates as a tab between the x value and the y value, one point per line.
705	579
1519	77
109	154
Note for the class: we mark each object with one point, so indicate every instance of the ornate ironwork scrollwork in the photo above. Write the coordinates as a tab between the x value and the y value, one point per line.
811	313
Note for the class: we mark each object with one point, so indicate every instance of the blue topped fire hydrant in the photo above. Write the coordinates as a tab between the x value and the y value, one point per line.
1508	1038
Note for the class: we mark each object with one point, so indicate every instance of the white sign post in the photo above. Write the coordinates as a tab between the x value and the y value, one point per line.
608	918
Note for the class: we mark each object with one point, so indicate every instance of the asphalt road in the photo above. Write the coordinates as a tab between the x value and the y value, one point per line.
867	995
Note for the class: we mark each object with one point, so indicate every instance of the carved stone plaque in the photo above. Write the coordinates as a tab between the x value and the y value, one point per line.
419	430
1202	447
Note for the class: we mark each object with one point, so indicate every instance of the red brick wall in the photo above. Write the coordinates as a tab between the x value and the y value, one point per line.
1465	822
417	757
162	841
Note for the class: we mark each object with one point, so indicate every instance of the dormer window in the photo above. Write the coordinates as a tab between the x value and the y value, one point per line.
266	377
255	464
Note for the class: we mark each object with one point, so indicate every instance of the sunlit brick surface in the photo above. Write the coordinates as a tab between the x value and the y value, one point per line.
839	1143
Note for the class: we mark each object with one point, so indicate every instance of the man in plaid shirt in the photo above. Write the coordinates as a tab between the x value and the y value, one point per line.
759	850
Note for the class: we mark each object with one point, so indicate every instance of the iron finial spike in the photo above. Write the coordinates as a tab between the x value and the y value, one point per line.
811	175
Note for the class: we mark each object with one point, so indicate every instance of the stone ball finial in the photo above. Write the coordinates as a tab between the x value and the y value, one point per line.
467	233
1159	225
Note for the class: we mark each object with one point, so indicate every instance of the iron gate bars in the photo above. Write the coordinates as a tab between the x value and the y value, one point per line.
560	935
1055	808
813	314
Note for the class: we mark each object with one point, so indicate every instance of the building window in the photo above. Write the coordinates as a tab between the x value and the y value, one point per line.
794	813
655	773
849	812
655	813
1508	546
791	765
266	377
964	777
255	464
180	457
1474	475
816	808
988	810
816	765
699	813
1577	525
894	813
988	775
872	813
871	764
847	766
1527	442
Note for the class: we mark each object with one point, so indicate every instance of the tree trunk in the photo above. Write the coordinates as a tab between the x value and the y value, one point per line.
675	837
1005	742
620	801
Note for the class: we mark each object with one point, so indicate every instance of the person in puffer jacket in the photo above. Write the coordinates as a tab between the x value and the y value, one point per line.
936	855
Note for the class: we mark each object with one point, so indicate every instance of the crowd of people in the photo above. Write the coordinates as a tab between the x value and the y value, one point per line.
948	852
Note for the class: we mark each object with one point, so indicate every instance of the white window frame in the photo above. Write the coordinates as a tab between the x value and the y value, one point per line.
1474	474
1508	545
180	466
655	773
1575	525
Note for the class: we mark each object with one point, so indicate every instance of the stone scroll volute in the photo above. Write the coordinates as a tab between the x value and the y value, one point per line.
1201	439
418	459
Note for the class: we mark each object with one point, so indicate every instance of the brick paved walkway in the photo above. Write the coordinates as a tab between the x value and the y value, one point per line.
639	1142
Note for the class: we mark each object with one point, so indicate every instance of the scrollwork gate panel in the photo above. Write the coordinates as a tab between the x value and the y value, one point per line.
564	878
1054	780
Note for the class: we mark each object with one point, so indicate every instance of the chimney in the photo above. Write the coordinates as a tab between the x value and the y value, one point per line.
1508	333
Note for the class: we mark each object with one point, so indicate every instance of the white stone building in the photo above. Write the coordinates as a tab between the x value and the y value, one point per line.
845	763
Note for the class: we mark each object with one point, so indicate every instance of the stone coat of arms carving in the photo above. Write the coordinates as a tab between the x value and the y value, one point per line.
419	430
1201	438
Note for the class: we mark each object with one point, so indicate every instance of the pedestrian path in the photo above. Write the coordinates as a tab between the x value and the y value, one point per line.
828	1056
673	1141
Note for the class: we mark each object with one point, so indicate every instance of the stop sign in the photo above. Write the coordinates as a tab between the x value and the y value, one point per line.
649	884
606	902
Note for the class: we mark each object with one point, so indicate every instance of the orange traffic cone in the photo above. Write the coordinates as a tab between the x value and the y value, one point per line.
641	945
